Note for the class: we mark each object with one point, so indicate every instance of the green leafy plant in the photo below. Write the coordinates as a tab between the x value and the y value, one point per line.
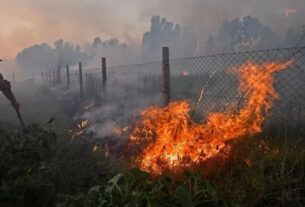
37	166
25	171
137	188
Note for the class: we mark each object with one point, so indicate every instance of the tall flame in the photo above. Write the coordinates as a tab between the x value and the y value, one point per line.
174	141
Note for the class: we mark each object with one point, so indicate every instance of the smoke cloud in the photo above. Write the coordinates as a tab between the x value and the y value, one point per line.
135	32
56	33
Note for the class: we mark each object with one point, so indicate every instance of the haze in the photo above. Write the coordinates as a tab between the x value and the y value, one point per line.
27	22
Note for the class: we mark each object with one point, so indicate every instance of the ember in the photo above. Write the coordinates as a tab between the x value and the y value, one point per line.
174	141
81	127
289	11
118	131
186	73
95	148
83	124
89	106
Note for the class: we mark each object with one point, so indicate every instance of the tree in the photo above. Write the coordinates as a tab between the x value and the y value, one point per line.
246	33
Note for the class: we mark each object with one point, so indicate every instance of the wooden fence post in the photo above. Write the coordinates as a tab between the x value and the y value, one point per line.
104	72
68	77
80	79
165	76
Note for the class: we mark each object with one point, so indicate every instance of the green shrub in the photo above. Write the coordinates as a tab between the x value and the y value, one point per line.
137	188
27	177
37	166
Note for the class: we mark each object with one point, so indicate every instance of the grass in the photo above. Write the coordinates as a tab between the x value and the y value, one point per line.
260	172
38	165
40	168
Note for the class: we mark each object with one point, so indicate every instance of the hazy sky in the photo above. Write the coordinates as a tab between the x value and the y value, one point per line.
26	22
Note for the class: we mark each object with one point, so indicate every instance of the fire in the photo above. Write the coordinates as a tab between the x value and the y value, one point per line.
248	162
81	128
289	11
95	148
186	73
172	140
83	124
107	153
89	106
118	131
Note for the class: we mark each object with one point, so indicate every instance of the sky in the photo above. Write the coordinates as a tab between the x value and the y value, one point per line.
27	22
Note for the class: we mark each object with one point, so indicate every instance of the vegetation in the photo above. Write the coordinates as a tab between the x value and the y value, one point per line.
37	166
40	168
137	188
265	172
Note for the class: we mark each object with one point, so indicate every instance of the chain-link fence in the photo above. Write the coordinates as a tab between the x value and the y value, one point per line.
190	75
137	86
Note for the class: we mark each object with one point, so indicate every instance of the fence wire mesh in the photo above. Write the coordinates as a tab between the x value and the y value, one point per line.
138	86
190	75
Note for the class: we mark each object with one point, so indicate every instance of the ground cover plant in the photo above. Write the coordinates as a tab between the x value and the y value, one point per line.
261	172
39	168
38	165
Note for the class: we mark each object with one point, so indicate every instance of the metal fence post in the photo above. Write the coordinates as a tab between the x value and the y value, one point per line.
80	79
165	76
58	81
87	89
49	77
54	77
42	78
104	72
68	77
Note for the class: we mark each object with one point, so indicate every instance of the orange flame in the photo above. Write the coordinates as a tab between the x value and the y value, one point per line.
107	153
186	73
89	106
95	148
289	11
248	162
83	124
118	131
174	141
81	129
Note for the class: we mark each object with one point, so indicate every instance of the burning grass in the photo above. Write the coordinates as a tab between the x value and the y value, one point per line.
52	170
173	141
261	171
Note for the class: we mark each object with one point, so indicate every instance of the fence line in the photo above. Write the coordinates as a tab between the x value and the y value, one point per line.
184	78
